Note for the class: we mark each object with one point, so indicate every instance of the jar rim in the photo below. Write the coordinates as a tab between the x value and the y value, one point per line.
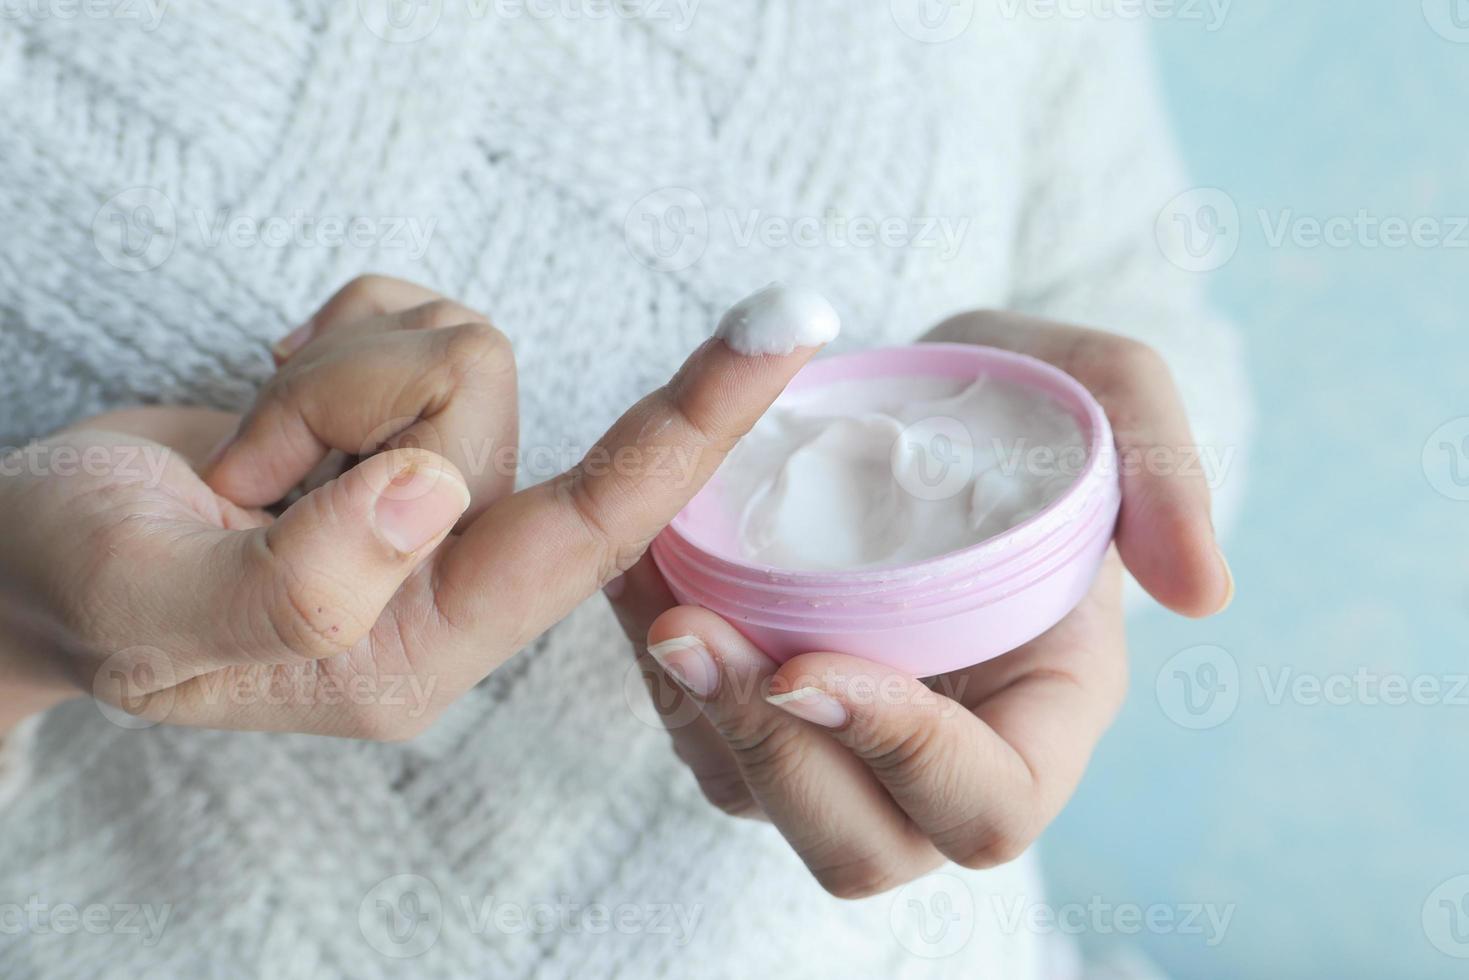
962	361
892	601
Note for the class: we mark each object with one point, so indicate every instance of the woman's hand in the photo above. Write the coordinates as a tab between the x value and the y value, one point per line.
384	364
358	611
875	778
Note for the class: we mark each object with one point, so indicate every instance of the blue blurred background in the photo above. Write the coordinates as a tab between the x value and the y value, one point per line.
1333	824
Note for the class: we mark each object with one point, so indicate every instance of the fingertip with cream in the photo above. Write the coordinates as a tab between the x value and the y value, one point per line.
779	319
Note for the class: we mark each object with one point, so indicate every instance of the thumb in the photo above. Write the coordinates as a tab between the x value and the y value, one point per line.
315	581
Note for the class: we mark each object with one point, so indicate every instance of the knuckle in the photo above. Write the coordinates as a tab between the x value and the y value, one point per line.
985	318
769	751
306	613
439	314
476	349
996	846
362	286
612	554
903	757
366	291
674	406
306	621
728	792
1134	358
860	879
281	388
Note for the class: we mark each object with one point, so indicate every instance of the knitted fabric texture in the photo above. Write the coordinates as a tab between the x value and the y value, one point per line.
602	186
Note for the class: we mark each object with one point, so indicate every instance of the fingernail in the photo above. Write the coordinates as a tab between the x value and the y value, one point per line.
813	705
1229	577
616	587
217	453
419	506
687	660
293	341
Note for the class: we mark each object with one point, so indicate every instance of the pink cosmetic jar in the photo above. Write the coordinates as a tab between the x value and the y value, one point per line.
932	616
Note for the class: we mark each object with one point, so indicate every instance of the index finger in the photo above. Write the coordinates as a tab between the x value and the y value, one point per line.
364	298
536	554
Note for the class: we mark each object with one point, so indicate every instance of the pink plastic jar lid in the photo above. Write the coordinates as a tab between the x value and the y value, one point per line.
1012	587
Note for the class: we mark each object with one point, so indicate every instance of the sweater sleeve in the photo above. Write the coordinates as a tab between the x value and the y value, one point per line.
1103	168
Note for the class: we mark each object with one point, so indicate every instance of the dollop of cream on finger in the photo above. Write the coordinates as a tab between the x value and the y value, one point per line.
778	319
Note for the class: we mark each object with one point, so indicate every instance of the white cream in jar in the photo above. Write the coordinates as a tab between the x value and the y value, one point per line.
883	472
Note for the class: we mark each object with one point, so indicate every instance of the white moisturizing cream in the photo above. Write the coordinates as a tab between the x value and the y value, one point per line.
887	471
778	319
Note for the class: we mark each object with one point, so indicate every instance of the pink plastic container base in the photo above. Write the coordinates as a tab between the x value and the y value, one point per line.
930	617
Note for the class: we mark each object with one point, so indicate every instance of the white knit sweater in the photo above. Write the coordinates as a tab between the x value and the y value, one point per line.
504	154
